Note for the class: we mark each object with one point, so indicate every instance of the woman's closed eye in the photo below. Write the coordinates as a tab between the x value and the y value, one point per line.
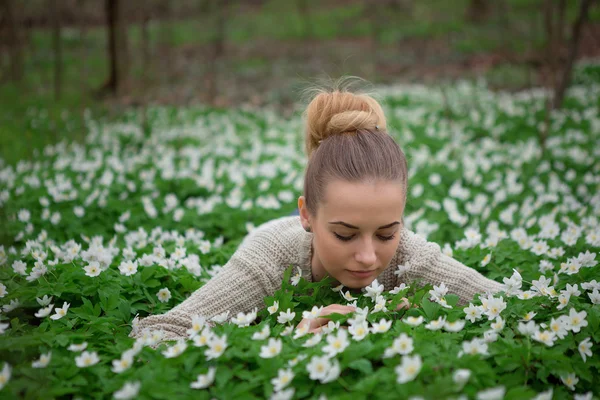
348	238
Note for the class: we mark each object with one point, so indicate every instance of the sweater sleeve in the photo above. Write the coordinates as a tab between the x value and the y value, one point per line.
240	286
426	261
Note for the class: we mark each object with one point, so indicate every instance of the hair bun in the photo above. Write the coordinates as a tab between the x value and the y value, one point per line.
337	111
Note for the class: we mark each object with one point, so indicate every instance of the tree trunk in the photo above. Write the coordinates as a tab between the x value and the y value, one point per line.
9	24
57	49
218	49
117	48
565	79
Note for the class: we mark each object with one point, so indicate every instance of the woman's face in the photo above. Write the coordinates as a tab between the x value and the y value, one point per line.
357	228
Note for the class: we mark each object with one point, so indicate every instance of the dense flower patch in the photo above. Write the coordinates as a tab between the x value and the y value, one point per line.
131	222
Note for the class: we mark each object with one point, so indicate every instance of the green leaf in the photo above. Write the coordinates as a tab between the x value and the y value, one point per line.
362	365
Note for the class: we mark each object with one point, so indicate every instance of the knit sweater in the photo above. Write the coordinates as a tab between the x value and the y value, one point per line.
256	270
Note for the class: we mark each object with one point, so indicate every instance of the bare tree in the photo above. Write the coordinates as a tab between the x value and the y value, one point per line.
117	48
9	26
56	42
560	72
565	78
220	11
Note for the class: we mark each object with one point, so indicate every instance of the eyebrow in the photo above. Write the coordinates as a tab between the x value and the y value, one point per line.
356	227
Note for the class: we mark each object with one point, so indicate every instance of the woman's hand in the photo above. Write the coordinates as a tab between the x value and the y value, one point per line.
405	304
314	325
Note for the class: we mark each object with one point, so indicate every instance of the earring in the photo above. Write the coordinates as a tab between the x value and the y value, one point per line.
308	229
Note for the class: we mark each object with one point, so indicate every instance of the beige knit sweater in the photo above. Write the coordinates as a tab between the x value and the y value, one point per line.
256	270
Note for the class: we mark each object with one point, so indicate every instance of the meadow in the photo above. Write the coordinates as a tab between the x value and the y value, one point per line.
129	222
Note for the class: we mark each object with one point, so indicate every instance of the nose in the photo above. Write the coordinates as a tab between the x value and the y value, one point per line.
366	253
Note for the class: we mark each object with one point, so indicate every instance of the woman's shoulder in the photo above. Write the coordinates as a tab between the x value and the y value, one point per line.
413	247
281	229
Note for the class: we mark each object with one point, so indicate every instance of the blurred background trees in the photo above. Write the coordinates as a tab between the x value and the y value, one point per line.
109	54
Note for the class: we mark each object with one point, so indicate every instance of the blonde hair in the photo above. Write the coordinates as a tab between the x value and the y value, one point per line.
346	138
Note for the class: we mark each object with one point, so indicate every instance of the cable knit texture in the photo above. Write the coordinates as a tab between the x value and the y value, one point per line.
256	270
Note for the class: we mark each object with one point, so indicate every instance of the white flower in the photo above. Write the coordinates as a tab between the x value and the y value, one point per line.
5	375
198	323
595	296
164	295
44	312
546	337
61	312
547	395
330	327
348	296
413	321
527	329
242	319
408	369
473	347
176	349
486	260
14	303
272	349
203	337
455	326
273	309
44	301
301	331
19	267
77	347
398	289
129	390
338	288
313	341
221	318
498	324
128	267
314	313
323	369
490	336
374	290
124	363
570	380
92	269
380	303
286	394
496	393
382	326
576	320
87	359
559	326
262	334
43	361
204	380
403	345
285	317
585	348
436	324
461	376
284	377
3	291
359	330
494	307
3	327
296	278
216	347
336	344
473	313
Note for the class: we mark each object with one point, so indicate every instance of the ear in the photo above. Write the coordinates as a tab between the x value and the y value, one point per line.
304	214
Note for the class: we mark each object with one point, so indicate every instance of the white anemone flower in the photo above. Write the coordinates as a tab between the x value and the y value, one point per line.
271	349
204	380
43	361
408	369
129	391
87	359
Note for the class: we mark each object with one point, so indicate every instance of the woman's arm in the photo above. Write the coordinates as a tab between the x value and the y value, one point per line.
240	286
425	260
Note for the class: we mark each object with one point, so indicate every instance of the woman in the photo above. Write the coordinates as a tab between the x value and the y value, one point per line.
350	224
